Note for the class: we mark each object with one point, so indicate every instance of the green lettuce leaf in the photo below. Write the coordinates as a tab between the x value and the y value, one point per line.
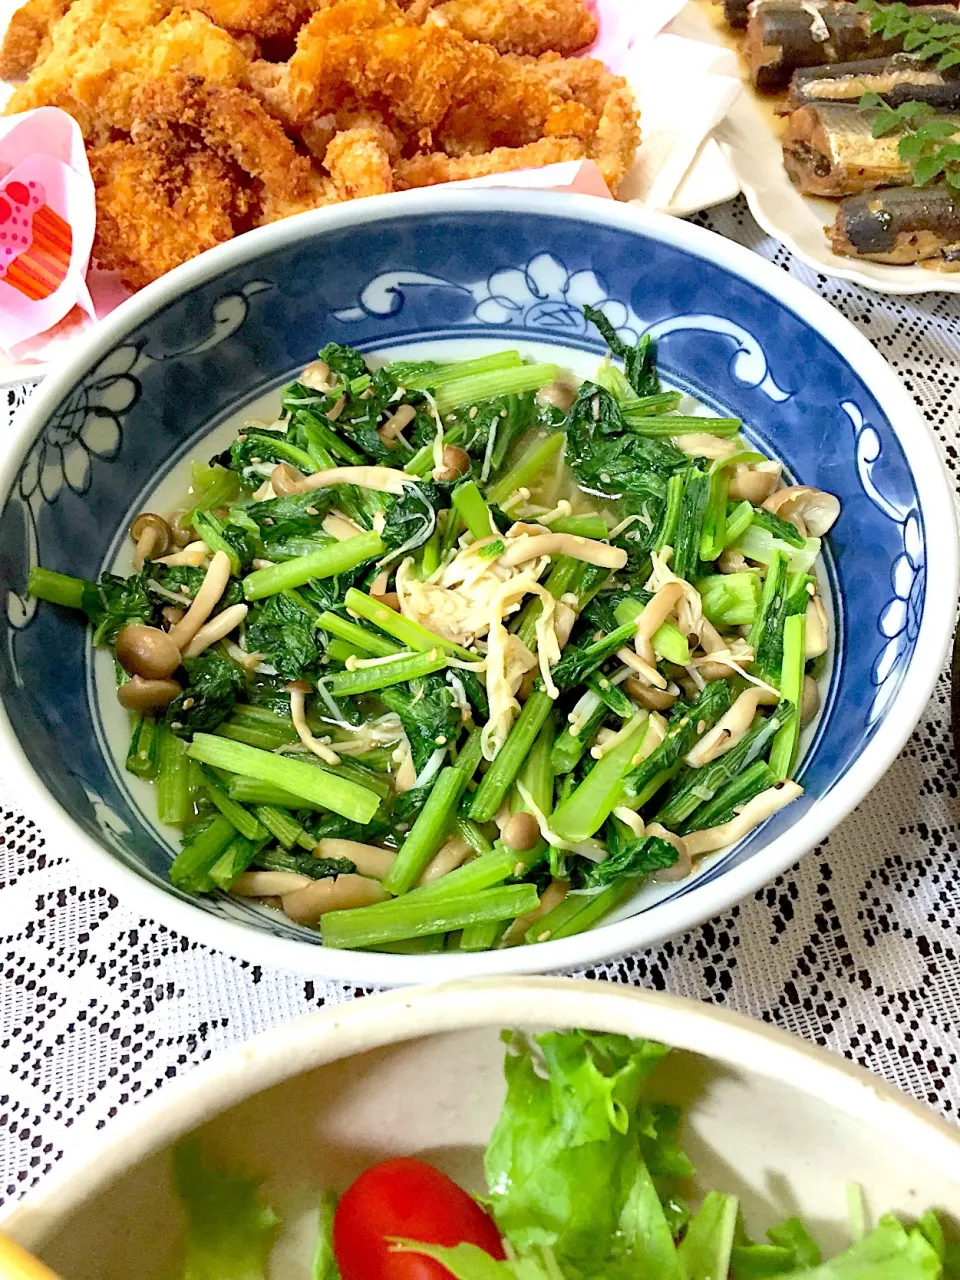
229	1231
889	1252
564	1166
468	1262
324	1263
704	1252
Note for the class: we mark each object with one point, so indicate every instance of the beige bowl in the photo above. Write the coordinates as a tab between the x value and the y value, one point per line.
783	1125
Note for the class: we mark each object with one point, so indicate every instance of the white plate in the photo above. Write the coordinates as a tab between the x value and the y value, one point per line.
750	143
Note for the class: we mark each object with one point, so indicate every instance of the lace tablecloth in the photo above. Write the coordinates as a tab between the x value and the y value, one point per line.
856	948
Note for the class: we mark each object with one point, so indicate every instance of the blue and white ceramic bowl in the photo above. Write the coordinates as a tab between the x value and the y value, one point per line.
193	350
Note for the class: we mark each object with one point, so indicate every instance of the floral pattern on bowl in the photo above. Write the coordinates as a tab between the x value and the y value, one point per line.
215	335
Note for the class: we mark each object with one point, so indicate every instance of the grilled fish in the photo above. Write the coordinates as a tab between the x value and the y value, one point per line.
785	35
898	79
901	226
828	150
736	12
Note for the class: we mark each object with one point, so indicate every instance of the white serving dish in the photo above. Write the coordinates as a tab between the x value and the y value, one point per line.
782	1124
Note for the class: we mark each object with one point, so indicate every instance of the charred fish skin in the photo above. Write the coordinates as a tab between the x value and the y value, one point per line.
829	150
897	79
900	226
736	12
786	35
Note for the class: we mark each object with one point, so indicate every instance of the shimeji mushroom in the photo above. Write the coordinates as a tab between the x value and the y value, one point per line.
456	463
204	602
286	480
153	537
147	696
811	511
754	484
147	651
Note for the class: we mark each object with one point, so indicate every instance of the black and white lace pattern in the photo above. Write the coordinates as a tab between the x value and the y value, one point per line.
856	948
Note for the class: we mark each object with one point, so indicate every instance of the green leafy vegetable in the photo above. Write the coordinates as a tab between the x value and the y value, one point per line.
428	713
637	857
610	459
229	1231
282	630
639	362
184	581
210	696
563	1164
412	516
116	602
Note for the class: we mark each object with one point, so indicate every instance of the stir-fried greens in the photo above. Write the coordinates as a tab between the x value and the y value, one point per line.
461	655
586	1180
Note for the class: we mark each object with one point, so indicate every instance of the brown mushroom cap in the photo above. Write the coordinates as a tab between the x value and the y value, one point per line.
285	480
521	832
150	521
456	463
809	701
146	696
652	699
147	651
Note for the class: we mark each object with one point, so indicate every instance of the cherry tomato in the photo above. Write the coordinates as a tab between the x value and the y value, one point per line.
409	1200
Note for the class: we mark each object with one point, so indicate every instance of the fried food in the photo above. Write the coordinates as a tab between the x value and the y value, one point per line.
518	26
203	118
103	51
158	205
437	167
450	94
27	39
360	160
